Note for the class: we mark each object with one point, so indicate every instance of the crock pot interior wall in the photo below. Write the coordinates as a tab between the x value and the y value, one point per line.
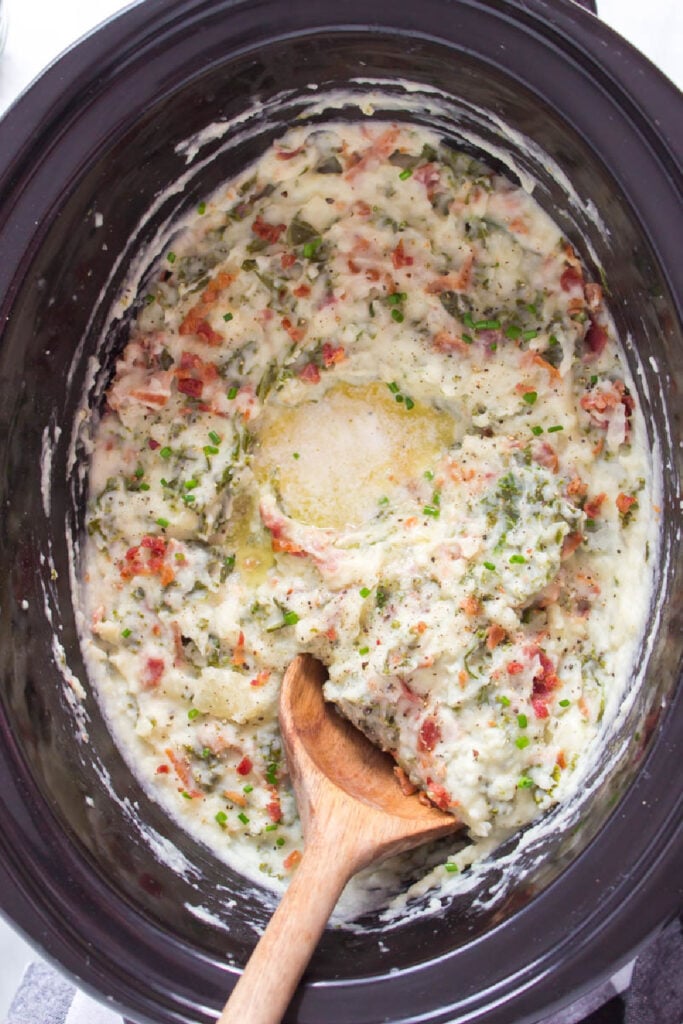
94	869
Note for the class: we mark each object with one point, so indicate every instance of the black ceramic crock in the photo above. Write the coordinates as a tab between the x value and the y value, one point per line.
83	155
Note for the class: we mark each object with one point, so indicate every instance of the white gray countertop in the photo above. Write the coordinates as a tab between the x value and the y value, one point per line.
39	30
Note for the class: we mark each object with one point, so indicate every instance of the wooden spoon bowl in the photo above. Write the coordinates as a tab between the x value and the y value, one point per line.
353	812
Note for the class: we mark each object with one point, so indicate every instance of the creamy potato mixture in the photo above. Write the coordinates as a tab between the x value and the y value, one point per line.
372	409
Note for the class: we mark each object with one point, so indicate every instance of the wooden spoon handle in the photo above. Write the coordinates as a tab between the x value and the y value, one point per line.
270	978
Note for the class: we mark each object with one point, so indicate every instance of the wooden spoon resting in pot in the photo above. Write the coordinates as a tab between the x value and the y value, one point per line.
353	812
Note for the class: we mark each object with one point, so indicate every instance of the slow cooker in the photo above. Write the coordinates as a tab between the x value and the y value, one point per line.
94	163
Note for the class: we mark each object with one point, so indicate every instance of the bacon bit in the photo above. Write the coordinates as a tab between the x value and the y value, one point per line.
514	668
429	735
190	386
292	860
310	373
286	546
147	559
179	650
238	655
407	787
215	287
245	766
592	507
421	627
440	796
156	629
596	338
583	706
545	681
363	209
471	605
302	291
372	274
297	334
593	294
494	635
429	176
409	694
268	232
153	445
561	760
551	370
331	634
261	679
462	678
445	342
624	503
288	154
379	149
332	355
576	487
182	770
569	545
519	225
235	798
598	446
571	278
149	397
162	769
543	453
399	257
274	807
154	670
287	260
460	473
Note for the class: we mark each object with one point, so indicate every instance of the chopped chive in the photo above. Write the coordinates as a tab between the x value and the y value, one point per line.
247	789
522	742
428	475
451	867
210	449
310	248
529	335
190	485
399	398
139	472
503	700
271	828
409	403
201	209
594	378
365	592
227	317
290	618
214	437
233	392
280	841
524	782
170	257
271	774
221	818
565	703
243	818
393	387
590	523
532	309
490	566
163	523
537	430
383	501
552	340
189	498
468	339
165	452
406	173
512	331
192	713
522	721
144	487
468	320
431	510
517	560
554	430
486	325
530	397
185	794
397	315
295	455
363	650
125	633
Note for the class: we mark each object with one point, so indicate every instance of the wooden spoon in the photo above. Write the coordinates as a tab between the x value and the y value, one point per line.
353	812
